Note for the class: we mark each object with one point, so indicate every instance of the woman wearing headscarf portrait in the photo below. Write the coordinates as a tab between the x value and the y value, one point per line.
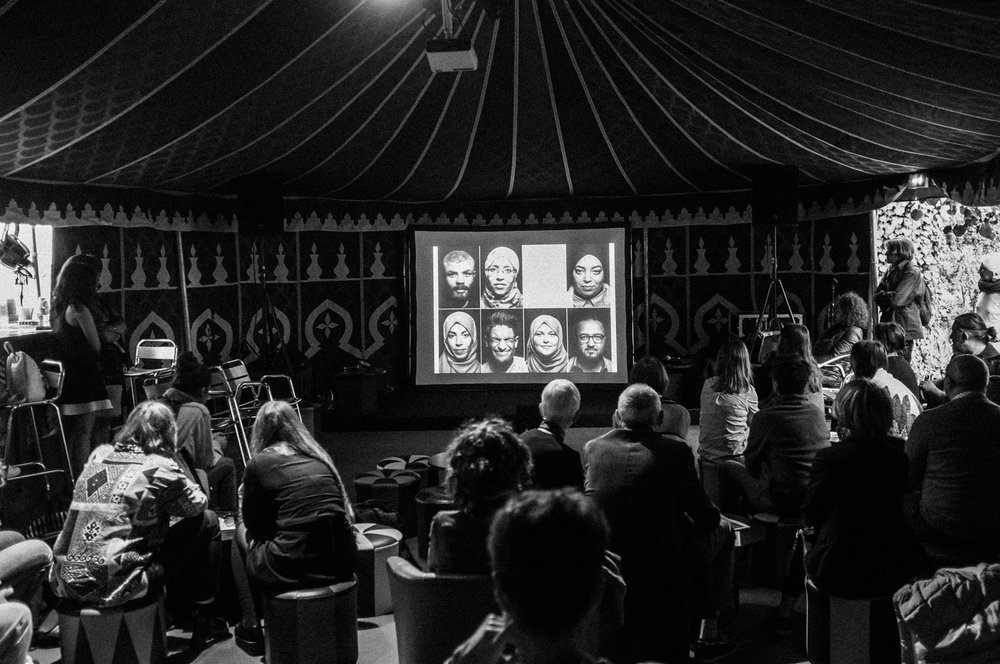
500	270
461	344
546	349
588	277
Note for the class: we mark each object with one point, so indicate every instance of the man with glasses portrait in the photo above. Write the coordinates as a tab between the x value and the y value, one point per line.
591	337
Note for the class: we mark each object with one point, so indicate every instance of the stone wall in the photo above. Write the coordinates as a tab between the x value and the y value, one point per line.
950	241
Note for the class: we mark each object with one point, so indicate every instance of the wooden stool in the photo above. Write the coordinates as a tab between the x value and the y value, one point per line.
132	633
846	631
416	463
376	544
430	501
313	626
397	488
771	555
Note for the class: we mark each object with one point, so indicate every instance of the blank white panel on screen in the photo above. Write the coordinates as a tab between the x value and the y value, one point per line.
544	269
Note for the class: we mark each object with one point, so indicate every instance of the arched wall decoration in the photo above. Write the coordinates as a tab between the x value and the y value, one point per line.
351	268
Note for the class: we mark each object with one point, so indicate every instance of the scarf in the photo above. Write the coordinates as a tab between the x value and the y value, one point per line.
559	359
450	363
501	257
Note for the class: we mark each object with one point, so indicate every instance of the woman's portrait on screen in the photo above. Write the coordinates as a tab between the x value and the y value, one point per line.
460	339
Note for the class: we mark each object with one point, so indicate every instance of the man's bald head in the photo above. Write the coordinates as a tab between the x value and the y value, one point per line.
560	402
966	373
639	406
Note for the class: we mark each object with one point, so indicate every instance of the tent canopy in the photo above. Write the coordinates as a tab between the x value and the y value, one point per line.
572	98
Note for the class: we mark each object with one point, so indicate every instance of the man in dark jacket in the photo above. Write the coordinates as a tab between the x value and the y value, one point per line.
556	464
898	294
783	441
954	455
646	484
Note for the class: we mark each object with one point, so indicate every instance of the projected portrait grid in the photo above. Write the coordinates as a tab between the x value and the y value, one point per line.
520	308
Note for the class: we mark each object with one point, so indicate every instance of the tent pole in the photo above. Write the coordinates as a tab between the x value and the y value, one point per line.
184	292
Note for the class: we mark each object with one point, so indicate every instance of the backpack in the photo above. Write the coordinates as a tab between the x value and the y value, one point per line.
925	303
24	380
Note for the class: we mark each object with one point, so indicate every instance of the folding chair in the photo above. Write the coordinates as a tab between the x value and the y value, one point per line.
153	358
242	396
156	386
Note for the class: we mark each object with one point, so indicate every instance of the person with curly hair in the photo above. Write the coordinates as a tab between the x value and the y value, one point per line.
852	319
487	463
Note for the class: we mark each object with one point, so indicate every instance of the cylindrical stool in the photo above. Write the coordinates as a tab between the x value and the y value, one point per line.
438	468
133	632
313	626
417	463
430	501
845	631
770	558
397	488
375	546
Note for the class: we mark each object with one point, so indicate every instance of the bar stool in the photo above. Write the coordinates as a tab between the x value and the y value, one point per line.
770	559
52	375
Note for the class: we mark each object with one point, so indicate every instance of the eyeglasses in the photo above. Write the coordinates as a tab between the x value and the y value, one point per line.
506	271
586	338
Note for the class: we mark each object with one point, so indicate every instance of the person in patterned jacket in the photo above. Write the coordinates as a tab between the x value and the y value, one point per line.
135	521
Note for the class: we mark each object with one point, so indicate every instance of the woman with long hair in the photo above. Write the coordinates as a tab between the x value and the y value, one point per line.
78	347
461	344
794	339
848	327
295	508
487	463
546	348
118	540
728	404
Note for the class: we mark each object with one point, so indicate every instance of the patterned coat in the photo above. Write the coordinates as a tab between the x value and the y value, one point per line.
122	505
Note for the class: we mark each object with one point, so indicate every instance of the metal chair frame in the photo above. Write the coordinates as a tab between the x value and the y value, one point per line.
158	350
53	374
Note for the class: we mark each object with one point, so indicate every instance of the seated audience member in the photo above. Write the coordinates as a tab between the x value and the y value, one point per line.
861	546
848	327
650	371
868	360
969	336
486	465
794	340
117	543
954	456
892	337
23	564
186	398
591	338
784	438
546	550
647	486
555	464
728	404
296	511
502	342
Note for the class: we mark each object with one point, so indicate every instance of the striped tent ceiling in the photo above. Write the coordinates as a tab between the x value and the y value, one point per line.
573	98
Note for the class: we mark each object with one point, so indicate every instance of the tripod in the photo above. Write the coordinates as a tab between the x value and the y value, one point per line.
768	320
269	319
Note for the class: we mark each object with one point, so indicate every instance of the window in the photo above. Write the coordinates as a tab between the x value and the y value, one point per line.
39	241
